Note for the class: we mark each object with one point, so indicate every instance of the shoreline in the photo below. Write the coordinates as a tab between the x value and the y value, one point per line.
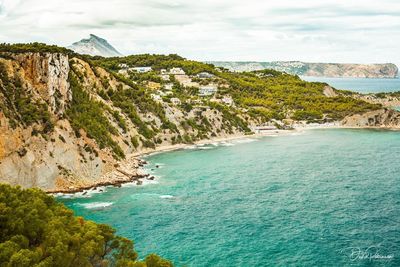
140	173
140	162
168	148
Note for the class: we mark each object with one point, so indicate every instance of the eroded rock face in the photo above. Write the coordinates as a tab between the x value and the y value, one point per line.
384	118
57	159
46	75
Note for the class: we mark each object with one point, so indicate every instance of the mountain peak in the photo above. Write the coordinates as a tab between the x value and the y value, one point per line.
95	46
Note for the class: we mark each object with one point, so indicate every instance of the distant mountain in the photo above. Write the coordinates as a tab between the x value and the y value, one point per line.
387	70
95	46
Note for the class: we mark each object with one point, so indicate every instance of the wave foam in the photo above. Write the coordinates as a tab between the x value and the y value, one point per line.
166	196
96	205
244	140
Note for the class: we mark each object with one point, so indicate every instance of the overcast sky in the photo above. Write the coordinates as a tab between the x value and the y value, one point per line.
359	31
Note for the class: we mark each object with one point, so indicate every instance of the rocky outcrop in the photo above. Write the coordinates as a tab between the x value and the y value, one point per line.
383	118
44	75
329	91
387	100
58	159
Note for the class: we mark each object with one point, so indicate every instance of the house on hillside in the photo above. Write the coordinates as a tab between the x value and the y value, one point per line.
123	66
205	75
175	101
186	81
177	71
141	69
156	97
165	77
207	90
153	85
168	86
227	100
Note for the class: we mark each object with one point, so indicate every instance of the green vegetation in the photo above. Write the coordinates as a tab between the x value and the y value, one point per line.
19	106
87	114
285	95
34	48
232	117
157	62
36	230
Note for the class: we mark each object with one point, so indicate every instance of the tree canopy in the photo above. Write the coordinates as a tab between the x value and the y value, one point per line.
36	230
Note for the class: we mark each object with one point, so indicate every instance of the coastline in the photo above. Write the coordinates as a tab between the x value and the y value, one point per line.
131	169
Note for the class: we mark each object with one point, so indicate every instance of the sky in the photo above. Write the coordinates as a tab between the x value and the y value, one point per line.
343	31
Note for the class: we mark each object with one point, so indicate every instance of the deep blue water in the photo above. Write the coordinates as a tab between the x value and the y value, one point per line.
321	198
361	85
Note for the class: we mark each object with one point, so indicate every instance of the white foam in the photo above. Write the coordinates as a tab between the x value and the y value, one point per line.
144	183
96	205
244	140
166	196
205	147
226	144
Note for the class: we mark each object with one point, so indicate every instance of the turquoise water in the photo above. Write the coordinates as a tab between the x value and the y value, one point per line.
361	85
321	198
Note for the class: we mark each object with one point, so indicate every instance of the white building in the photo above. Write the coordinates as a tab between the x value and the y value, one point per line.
141	69
227	100
207	90
168	86
175	101
156	97
177	71
263	128
164	77
123	66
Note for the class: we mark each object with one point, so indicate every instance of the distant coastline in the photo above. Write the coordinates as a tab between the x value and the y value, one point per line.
330	70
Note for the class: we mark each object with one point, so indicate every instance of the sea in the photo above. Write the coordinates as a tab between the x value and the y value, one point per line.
323	197
361	85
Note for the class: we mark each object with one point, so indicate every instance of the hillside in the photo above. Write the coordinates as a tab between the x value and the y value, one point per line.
69	121
316	69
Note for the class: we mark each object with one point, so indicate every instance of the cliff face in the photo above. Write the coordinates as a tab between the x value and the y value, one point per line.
46	76
317	69
384	118
45	160
44	144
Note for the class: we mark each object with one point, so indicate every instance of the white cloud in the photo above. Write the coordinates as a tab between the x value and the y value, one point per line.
310	30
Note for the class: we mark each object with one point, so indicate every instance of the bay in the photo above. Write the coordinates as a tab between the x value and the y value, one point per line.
327	197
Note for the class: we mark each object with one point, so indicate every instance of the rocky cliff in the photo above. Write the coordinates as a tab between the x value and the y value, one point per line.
383	118
60	130
317	69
